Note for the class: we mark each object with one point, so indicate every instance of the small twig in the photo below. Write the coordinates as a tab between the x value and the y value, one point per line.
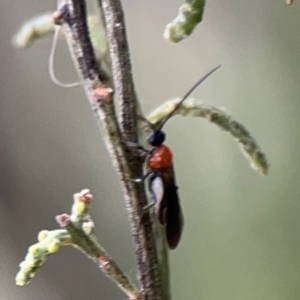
49	242
190	107
37	27
93	250
78	231
42	25
190	14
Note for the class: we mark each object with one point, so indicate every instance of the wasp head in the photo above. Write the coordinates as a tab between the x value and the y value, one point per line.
156	138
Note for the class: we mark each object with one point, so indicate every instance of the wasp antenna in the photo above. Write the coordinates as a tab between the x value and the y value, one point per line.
51	63
142	118
186	95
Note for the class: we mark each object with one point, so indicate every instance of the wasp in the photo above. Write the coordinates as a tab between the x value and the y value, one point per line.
162	183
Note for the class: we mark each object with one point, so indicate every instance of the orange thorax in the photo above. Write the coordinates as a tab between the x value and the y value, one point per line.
160	158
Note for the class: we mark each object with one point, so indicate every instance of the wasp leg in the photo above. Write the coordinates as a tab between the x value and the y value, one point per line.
135	146
154	200
153	197
137	149
148	206
143	178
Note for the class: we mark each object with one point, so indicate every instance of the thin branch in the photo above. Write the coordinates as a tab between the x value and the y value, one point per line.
190	14
80	227
88	244
49	242
34	29
42	25
100	98
78	231
190	107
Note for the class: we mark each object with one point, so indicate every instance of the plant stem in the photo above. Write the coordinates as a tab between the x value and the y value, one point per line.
101	100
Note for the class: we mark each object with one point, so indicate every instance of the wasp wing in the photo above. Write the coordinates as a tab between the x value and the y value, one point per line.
164	191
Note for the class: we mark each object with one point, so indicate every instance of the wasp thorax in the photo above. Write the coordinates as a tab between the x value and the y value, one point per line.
157	138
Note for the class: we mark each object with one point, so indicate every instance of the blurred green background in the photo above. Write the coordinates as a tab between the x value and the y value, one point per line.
241	238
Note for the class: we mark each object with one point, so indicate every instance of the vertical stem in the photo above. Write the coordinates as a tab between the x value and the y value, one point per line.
122	74
100	97
121	65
